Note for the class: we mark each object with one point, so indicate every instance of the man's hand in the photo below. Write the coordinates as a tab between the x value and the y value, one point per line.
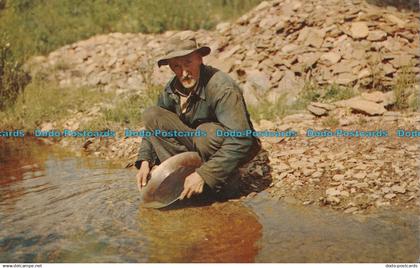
142	174
193	185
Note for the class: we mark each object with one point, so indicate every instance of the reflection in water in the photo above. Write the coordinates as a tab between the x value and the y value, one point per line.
15	161
60	208
225	232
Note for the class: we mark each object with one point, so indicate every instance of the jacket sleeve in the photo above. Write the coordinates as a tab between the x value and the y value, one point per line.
146	151
231	112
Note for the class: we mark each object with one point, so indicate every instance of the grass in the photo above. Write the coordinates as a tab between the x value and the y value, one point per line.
38	27
46	102
414	101
404	89
362	121
42	102
125	112
327	93
12	77
311	92
331	122
30	27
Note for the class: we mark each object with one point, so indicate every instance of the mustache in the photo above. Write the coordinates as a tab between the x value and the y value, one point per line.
187	77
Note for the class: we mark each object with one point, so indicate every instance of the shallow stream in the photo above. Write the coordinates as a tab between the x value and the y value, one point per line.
58	207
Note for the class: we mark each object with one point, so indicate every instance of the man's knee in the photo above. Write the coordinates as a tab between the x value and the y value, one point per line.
210	143
151	116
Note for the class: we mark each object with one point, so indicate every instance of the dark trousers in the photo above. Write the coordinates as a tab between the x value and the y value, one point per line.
157	118
165	147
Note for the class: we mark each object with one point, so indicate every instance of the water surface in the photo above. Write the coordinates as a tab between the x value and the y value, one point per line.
58	207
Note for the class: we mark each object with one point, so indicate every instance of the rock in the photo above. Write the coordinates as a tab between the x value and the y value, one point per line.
222	27
345	66
388	69
250	95
377	35
307	171
297	118
364	73
361	185
339	166
227	54
350	210
333	200
289	86
344	193
262	5
308	59
330	58
402	60
316	110
391	116
394	19
283	167
398	189
268	22
259	80
289	48
326	106
305	203
312	37
345	122
375	96
296	5
413	148
389	98
47	126
386	190
338	177
389	196
363	106
345	78
359	30
332	192
317	174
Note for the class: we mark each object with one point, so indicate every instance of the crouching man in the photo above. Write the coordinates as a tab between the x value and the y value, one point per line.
203	99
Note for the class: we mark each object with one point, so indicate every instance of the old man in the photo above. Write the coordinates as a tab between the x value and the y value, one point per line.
206	100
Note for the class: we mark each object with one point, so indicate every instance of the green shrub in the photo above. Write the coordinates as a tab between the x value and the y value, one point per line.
326	93
12	78
331	122
403	87
414	102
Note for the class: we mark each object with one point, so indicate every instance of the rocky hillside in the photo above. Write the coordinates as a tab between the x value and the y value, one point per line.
273	49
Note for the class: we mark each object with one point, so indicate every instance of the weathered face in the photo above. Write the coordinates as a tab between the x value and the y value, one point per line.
187	68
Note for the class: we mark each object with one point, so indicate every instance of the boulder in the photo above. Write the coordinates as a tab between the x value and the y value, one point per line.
358	104
330	58
359	30
317	110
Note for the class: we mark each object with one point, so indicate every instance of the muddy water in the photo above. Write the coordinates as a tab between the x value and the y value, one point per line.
57	207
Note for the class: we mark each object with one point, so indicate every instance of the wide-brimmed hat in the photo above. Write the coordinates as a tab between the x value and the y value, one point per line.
178	47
